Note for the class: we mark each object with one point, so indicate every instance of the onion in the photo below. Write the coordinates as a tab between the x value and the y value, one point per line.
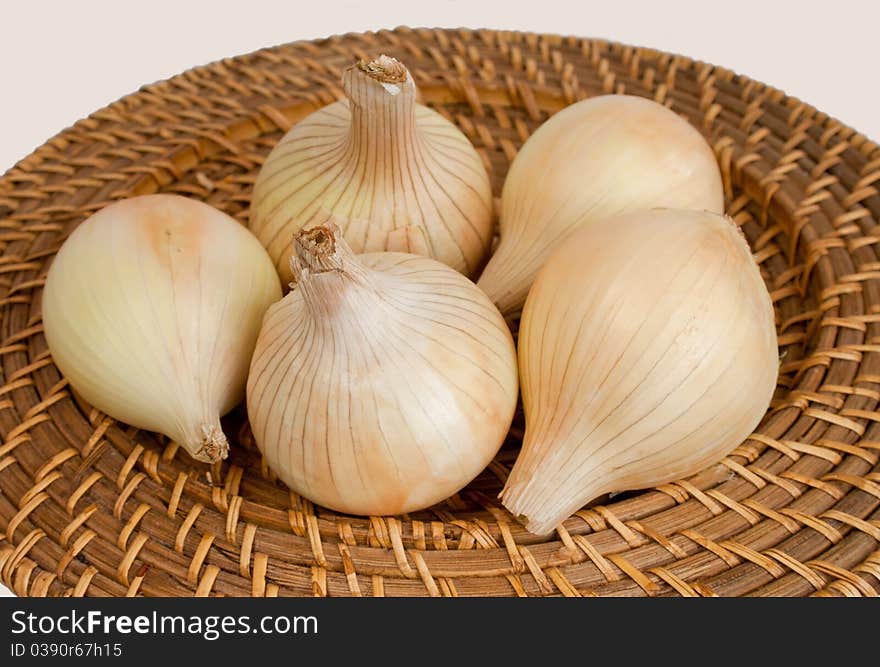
647	351
593	160
151	309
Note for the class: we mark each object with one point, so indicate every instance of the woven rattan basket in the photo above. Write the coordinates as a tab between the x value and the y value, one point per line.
89	506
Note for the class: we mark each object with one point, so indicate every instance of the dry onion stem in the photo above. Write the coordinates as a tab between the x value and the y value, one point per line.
392	173
382	383
647	350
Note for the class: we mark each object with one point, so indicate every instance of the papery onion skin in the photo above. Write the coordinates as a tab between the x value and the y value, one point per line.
151	310
595	159
381	384
647	351
394	174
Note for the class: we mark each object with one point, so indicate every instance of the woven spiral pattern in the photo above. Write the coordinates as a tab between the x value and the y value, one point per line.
89	506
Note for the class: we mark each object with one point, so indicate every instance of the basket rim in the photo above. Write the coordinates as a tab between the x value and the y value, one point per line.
811	109
305	525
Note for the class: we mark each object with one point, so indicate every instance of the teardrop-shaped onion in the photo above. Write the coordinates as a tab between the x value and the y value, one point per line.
647	351
595	159
151	310
383	383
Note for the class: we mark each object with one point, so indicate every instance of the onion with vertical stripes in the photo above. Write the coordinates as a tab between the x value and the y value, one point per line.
647	351
598	158
394	174
151	310
382	383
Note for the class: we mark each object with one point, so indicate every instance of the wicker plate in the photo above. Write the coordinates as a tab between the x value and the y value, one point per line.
89	506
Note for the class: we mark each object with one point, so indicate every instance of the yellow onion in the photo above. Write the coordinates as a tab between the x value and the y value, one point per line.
393	174
595	159
647	351
151	309
383	383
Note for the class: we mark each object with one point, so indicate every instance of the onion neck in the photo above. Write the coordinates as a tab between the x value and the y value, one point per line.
212	445
383	130
326	270
540	501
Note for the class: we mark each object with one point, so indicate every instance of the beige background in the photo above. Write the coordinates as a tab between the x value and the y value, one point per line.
59	61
